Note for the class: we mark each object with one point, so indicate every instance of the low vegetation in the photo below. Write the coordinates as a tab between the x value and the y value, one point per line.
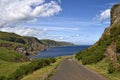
12	56
102	68
7	67
44	73
29	68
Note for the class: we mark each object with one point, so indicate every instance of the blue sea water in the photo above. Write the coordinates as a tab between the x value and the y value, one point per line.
59	51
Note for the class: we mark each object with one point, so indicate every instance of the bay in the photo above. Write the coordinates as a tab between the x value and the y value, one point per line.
59	51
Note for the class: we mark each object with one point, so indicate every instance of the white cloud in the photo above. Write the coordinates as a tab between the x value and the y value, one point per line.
17	10
24	31
60	28
44	29
32	20
61	38
77	35
103	15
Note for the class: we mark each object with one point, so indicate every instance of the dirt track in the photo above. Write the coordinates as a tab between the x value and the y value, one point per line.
71	70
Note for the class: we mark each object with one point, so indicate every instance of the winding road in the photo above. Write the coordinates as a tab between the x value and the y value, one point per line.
71	70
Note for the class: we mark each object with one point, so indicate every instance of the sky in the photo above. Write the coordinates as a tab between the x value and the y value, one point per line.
81	22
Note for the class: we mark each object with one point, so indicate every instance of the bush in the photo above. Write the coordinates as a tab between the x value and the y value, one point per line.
118	58
111	68
78	56
3	78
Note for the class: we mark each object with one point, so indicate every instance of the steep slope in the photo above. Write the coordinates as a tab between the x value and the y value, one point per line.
108	45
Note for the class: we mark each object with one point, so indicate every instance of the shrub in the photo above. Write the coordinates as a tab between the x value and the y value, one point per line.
111	68
3	78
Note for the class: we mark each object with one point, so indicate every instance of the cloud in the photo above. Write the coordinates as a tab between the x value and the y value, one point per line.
61	38
32	20
103	15
18	10
77	35
24	31
59	28
44	29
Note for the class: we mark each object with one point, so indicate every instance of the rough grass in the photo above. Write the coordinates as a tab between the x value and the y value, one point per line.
11	55
6	68
41	73
102	68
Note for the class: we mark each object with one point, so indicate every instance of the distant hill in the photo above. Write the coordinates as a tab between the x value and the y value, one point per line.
52	43
108	45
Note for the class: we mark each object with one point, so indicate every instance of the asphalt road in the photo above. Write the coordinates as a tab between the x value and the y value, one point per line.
70	70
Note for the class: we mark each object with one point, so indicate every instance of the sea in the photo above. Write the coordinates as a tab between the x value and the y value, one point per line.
59	51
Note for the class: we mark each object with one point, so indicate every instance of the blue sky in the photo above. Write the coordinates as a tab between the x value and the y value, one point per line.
77	21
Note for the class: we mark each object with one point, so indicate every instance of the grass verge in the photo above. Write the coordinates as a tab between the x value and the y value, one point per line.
42	73
102	68
6	68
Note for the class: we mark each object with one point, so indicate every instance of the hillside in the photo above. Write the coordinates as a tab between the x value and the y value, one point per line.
23	45
108	45
19	43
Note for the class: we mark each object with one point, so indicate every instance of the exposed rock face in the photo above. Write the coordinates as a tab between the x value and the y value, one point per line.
113	32
33	44
111	53
115	14
21	50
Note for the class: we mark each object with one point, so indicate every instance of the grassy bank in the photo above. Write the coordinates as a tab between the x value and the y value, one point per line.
102	68
43	72
11	55
6	68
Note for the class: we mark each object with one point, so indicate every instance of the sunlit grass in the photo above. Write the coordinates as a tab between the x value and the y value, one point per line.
6	68
102	68
37	75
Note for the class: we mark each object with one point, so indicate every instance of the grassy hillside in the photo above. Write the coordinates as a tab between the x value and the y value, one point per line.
12	37
7	68
19	70
11	55
108	45
20	43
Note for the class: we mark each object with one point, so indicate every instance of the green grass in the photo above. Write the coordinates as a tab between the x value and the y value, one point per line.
102	68
6	68
37	75
11	55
